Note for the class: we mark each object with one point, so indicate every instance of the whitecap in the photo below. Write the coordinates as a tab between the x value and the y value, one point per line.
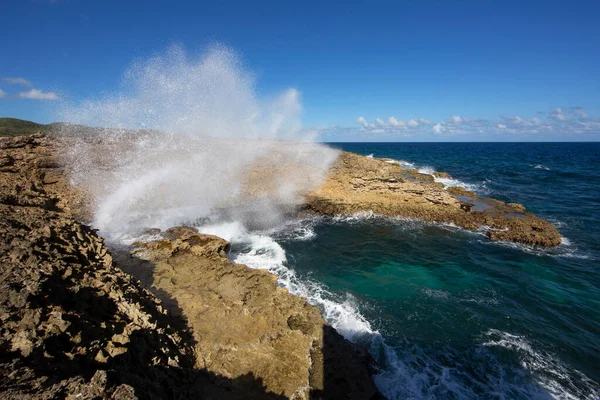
406	371
402	163
547	369
566	249
426	170
451	182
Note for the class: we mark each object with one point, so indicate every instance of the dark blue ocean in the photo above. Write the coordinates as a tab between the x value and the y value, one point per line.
447	313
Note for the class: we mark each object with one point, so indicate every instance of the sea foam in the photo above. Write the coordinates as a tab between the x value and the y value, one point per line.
184	139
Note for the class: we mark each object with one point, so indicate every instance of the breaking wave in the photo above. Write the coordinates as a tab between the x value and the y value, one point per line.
260	251
188	137
448	182
406	370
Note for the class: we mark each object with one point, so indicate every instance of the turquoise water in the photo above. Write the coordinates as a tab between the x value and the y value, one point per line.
447	313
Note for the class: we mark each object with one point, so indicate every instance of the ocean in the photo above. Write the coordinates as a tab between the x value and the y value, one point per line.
445	312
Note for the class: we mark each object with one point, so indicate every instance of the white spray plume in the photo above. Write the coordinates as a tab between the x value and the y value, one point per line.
189	139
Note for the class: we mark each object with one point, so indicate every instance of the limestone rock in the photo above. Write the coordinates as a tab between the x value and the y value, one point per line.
443	175
74	325
243	323
354	184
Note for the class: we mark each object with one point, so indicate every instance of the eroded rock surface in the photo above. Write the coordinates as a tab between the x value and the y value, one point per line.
74	325
357	184
244	323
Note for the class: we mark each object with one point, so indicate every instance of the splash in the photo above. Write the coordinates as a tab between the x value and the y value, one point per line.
187	139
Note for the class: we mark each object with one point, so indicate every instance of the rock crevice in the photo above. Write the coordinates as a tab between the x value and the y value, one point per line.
75	325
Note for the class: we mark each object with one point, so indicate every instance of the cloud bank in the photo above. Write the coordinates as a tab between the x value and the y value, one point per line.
18	81
558	122
32	94
35	94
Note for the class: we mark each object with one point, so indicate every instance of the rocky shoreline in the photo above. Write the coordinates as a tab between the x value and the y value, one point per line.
76	325
359	184
172	317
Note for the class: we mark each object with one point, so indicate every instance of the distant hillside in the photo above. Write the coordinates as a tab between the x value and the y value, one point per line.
16	127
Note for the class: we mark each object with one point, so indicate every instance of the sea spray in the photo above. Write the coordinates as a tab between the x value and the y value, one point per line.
408	367
189	138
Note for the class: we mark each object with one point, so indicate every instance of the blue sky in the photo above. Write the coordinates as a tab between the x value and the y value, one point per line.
374	71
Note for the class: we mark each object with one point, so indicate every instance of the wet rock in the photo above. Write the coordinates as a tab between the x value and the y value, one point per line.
421	198
74	325
460	191
443	175
243	323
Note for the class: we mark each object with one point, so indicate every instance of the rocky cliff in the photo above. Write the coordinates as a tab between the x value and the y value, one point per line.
75	325
172	317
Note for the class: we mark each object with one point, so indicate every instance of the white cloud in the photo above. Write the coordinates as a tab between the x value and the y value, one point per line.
592	126
559	115
18	81
362	122
394	122
3	94
35	94
560	121
413	123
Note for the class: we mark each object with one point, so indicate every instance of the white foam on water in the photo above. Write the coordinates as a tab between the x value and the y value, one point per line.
410	372
296	229
370	155
360	216
342	313
448	182
426	170
402	163
263	252
406	371
566	249
540	166
557	223
451	182
547	369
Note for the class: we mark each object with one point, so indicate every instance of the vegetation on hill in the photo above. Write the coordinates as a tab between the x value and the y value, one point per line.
17	127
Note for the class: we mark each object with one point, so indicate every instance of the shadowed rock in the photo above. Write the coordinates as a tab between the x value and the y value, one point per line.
74	325
244	323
